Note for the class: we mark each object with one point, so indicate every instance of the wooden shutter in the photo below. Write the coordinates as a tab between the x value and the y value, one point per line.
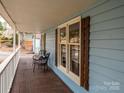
85	29
56	44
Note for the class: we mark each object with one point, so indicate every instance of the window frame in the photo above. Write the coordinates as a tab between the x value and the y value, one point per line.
83	80
66	70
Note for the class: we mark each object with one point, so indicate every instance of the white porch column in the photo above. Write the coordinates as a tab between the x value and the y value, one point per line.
34	43
18	39
14	38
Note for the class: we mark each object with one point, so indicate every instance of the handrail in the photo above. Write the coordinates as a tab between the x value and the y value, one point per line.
4	64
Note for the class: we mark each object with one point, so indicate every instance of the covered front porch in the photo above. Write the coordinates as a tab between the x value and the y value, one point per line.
85	39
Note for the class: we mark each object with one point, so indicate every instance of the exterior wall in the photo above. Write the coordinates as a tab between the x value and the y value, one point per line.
106	48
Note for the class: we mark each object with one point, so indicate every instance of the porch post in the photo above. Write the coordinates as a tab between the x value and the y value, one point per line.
18	39
34	42
14	39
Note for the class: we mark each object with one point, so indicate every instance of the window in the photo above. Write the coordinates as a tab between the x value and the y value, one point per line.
69	49
72	40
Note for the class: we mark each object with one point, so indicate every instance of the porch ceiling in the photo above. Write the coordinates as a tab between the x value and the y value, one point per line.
39	15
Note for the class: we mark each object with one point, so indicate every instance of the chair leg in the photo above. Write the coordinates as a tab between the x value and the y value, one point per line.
34	68
38	66
44	67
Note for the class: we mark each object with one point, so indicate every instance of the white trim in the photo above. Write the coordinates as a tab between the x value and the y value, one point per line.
74	77
66	70
75	20
71	75
62	25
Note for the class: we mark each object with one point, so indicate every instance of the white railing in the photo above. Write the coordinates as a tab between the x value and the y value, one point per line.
7	71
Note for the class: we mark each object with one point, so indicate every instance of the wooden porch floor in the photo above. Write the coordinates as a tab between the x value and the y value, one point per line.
27	81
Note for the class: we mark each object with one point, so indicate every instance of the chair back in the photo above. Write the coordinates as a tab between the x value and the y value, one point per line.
47	56
44	59
42	52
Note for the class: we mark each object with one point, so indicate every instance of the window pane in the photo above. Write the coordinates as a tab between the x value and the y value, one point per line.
63	55
74	59
74	33
63	35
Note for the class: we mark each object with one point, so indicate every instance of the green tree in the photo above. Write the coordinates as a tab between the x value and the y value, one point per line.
1	27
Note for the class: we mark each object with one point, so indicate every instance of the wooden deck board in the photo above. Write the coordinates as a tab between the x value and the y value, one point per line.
27	81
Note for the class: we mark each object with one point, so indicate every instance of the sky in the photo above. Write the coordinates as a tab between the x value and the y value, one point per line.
4	22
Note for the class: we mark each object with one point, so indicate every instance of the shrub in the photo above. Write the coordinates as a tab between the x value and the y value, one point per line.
9	44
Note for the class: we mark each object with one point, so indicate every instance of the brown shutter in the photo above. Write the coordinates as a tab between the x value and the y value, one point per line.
85	29
56	44
82	51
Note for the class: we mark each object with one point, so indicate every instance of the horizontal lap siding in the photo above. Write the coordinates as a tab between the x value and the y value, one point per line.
111	44
50	46
112	34
108	25
106	45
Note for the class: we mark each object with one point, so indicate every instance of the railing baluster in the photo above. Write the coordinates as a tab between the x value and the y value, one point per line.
7	71
0	84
